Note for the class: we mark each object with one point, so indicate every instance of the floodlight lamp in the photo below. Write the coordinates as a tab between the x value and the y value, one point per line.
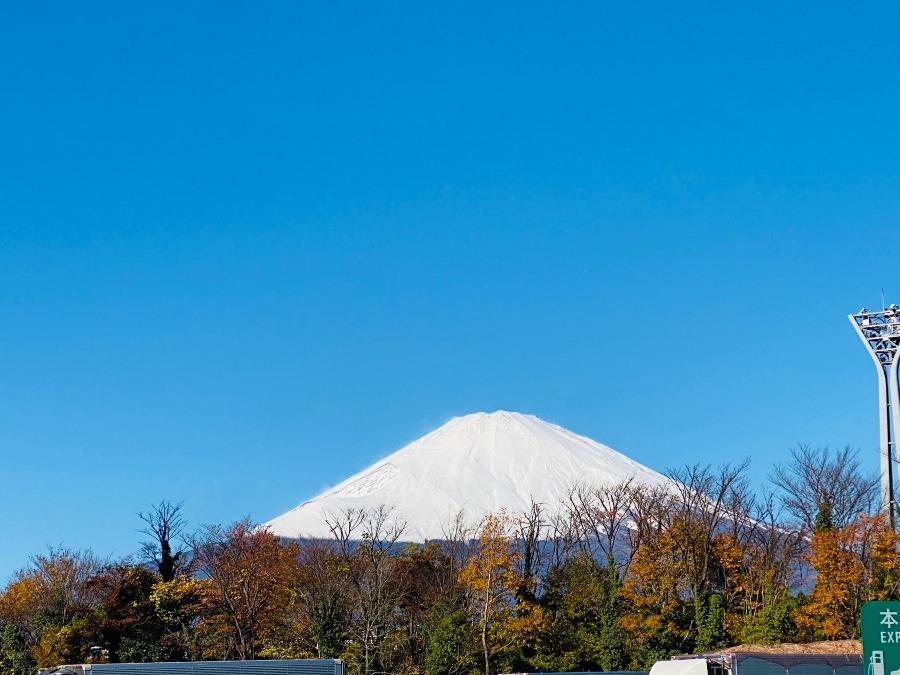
880	333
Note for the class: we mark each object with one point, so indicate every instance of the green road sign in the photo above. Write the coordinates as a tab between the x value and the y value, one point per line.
880	628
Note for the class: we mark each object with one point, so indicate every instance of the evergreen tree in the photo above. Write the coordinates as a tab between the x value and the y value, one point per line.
15	658
825	515
326	623
450	648
612	640
710	623
773	623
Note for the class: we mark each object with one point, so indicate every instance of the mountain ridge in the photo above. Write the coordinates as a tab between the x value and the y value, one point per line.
472	464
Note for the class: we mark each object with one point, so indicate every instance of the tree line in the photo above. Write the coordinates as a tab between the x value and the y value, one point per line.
617	578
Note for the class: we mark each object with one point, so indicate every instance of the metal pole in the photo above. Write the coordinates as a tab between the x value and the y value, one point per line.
886	444
894	403
878	332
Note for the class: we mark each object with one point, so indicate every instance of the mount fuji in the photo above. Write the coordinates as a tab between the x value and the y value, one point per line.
471	465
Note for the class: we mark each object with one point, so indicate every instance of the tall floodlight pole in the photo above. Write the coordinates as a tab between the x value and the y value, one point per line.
880	333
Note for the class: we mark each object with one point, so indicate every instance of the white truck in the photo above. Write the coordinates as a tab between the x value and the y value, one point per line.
761	663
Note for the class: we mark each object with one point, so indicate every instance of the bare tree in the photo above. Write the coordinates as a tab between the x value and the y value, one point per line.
774	560
562	537
697	513
603	517
529	535
64	577
813	477
165	524
365	540
456	544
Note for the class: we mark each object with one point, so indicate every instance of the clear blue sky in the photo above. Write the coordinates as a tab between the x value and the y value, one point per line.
248	249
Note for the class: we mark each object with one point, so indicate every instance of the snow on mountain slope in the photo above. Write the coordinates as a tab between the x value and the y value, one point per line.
474	464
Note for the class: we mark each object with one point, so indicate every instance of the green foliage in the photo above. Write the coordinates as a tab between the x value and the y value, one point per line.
326	624
354	657
825	514
612	640
588	606
773	623
450	649
15	658
142	646
710	623
662	636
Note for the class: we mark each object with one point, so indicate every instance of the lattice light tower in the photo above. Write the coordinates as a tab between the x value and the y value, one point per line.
880	333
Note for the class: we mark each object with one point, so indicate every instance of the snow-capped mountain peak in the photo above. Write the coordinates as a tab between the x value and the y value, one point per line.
472	464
